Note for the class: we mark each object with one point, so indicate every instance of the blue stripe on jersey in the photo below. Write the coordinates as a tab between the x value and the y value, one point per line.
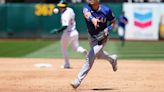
104	14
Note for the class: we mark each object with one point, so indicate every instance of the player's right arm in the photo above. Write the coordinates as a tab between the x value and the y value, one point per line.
88	16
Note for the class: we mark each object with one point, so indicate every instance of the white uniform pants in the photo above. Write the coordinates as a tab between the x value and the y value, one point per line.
70	38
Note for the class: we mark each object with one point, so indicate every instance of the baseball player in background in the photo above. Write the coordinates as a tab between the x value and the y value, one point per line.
96	16
122	22
70	35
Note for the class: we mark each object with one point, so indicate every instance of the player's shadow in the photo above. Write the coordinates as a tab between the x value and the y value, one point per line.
103	89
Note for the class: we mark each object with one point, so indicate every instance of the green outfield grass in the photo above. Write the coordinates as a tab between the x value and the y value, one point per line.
51	49
20	48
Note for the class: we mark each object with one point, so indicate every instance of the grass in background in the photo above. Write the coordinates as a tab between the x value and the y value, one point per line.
51	49
19	48
139	49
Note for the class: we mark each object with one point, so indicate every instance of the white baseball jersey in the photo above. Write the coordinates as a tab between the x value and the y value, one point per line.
70	35
68	19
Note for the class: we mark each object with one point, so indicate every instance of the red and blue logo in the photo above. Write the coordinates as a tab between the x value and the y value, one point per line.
143	19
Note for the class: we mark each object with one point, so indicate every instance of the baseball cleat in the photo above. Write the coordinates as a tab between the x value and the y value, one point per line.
114	63
75	84
65	66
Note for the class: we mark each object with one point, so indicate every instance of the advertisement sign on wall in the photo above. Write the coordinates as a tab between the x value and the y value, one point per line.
143	21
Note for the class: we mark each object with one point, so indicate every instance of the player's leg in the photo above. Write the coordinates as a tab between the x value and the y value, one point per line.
90	58
111	58
75	45
105	55
89	62
121	35
87	66
64	46
122	39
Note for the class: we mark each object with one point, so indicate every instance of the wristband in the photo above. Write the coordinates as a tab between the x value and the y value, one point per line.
90	18
110	27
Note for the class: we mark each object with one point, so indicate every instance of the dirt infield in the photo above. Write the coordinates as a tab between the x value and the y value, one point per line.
20	75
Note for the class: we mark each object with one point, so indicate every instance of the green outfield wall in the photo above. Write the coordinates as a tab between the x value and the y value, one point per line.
36	20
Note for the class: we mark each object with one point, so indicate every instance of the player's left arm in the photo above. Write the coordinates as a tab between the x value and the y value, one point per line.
104	34
110	26
112	23
111	18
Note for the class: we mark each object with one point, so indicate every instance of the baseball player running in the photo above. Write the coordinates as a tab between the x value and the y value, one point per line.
122	22
70	35
96	16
